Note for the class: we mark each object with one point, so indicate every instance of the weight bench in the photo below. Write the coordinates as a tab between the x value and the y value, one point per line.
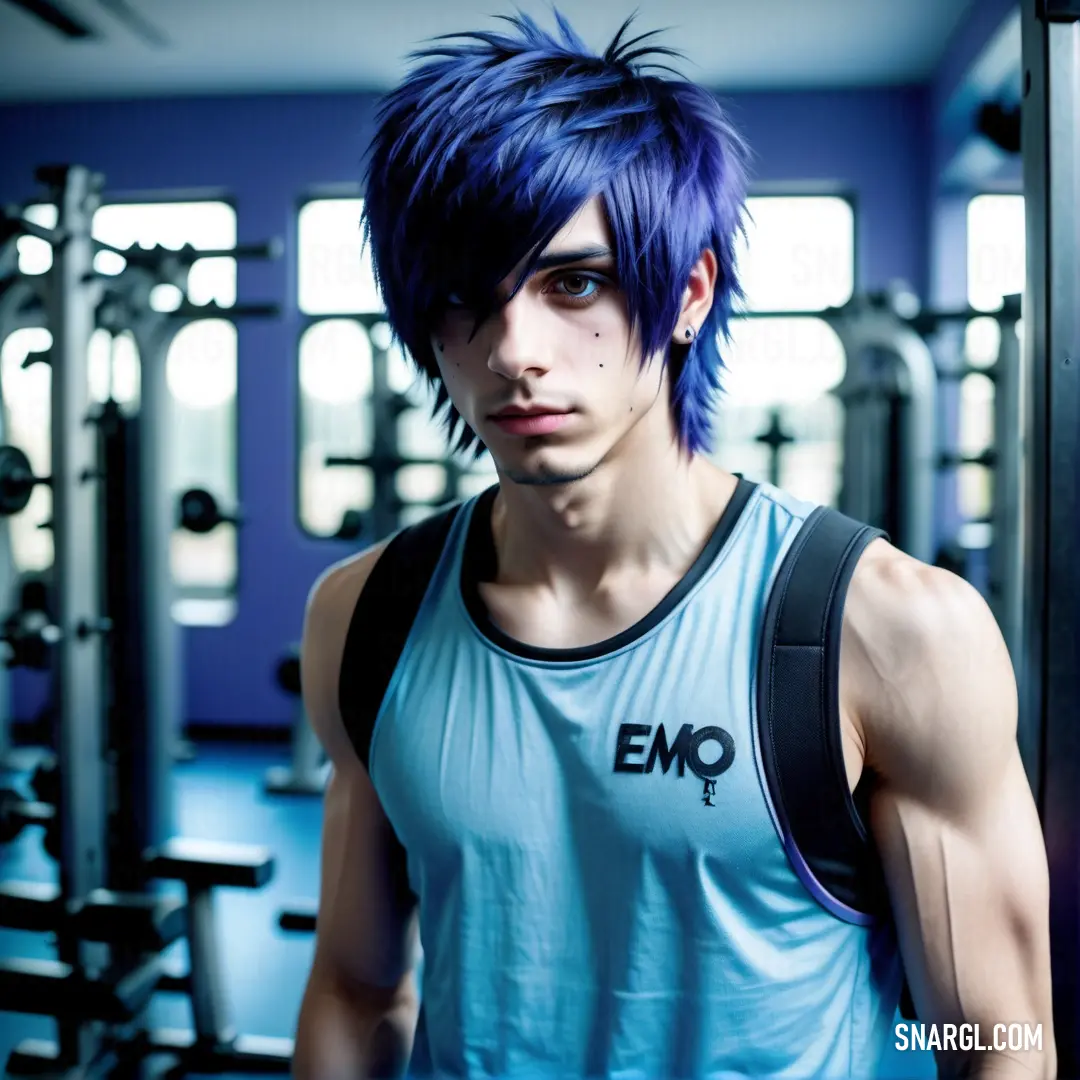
50	988
214	1046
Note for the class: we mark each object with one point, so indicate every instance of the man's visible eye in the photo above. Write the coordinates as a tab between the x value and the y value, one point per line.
578	288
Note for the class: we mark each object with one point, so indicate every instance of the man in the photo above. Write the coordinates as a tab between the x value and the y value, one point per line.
562	779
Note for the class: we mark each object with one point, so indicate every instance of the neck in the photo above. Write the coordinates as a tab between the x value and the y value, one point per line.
652	515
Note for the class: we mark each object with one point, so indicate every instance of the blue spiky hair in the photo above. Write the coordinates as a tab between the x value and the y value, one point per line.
487	149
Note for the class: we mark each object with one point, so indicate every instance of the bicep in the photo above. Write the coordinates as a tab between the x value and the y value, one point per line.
953	814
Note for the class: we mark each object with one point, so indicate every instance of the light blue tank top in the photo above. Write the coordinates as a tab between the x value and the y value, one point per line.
602	892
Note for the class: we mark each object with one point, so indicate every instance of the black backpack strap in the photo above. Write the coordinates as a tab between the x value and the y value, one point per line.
799	716
822	822
384	615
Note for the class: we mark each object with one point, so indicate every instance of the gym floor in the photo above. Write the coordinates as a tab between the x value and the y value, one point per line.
220	796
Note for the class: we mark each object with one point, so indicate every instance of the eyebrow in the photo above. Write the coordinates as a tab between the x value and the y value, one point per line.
561	258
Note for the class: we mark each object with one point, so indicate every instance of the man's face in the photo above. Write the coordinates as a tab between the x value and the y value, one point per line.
551	380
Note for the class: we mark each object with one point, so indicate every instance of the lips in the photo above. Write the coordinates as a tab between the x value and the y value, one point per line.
538	420
533	410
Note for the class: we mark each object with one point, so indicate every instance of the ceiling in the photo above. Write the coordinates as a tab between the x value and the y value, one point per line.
146	48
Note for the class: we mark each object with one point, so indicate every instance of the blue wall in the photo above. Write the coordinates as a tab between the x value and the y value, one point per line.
267	154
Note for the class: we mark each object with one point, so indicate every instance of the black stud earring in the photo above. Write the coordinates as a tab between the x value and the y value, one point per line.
439	343
689	333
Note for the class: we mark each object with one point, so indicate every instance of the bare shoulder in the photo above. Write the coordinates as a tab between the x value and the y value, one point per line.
339	585
893	594
925	670
330	607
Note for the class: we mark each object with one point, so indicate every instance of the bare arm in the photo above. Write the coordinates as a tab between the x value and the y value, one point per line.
953	815
358	1015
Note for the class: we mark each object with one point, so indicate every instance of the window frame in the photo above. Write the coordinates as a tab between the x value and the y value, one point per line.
786	190
985	472
204	593
758	191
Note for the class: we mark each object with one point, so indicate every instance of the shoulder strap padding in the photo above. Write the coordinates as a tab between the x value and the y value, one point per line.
799	712
382	620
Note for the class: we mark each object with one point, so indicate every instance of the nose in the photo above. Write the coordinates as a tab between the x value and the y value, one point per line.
516	345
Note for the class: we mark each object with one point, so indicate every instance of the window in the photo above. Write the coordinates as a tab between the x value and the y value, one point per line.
799	256
26	424
200	373
996	250
996	268
26	421
340	353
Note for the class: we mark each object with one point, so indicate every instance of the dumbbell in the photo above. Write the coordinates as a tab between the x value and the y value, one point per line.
198	512
16	813
32	590
26	634
25	639
352	525
17	480
288	673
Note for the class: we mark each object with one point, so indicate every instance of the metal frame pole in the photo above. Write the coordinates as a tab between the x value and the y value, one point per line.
1006	568
1050	688
161	646
78	668
913	370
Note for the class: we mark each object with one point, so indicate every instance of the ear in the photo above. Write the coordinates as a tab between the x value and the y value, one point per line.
697	298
